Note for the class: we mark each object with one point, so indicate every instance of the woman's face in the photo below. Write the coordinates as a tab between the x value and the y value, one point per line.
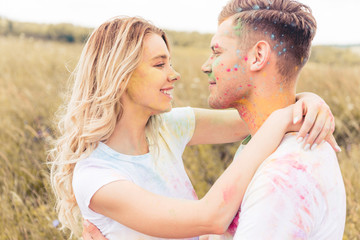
150	87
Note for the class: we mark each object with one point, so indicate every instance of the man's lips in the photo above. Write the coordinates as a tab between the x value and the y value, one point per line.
212	82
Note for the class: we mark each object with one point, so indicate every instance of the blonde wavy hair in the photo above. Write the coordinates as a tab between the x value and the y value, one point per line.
107	62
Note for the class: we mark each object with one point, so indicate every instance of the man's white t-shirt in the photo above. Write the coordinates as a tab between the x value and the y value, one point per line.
164	175
294	194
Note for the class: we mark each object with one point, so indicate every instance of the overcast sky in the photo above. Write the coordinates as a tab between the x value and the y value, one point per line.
338	21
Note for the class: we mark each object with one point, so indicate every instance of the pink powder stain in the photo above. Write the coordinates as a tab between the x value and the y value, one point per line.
249	85
228	70
217	78
245	58
234	224
216	45
228	193
235	69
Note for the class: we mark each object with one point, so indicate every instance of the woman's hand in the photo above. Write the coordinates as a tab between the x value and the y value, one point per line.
317	119
91	232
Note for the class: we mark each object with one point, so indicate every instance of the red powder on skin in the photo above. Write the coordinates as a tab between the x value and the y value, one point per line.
234	224
249	85
228	70
227	194
216	45
245	58
235	69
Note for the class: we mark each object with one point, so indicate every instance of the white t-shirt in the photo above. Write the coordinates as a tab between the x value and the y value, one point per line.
294	194
165	175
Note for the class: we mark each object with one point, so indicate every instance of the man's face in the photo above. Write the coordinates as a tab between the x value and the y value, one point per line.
227	67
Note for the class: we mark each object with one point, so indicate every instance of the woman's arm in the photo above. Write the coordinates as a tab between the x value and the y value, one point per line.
318	122
166	217
227	123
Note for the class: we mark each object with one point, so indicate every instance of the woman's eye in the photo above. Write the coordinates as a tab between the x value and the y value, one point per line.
160	65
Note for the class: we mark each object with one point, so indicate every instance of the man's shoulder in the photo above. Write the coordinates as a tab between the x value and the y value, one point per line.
291	156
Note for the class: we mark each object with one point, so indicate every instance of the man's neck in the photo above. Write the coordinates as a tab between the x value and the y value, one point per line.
256	109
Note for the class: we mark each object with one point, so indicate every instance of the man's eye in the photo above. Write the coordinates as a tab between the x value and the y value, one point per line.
160	65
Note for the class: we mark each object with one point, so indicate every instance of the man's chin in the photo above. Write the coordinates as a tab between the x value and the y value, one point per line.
216	103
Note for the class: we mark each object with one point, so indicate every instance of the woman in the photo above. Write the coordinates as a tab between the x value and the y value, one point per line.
119	155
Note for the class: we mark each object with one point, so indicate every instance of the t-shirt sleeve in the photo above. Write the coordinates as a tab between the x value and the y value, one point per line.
180	124
281	203
89	176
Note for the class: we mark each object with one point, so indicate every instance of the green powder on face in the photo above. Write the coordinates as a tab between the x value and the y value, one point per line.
212	76
216	62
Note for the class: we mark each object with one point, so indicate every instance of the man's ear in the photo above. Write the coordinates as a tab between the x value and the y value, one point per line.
259	56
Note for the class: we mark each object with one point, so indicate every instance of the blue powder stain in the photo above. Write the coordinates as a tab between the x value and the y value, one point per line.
280	53
268	62
265	33
268	7
275	22
236	66
281	43
284	50
255	28
239	10
292	46
272	36
276	46
256	7
282	35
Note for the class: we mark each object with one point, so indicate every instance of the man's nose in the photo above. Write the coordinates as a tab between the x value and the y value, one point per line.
206	67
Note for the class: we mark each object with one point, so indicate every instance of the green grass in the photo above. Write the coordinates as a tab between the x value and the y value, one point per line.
33	76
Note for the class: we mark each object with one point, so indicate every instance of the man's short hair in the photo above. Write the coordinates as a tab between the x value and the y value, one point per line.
287	25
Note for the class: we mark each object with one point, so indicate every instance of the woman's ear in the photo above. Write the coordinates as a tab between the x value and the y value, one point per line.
260	55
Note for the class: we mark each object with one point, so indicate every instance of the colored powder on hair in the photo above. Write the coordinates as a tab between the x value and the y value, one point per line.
238	28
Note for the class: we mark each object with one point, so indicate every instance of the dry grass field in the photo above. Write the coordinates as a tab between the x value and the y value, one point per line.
33	78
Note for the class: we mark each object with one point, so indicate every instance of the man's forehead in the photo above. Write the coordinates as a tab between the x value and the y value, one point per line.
222	37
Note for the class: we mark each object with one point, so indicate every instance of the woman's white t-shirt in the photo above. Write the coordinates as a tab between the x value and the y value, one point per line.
164	175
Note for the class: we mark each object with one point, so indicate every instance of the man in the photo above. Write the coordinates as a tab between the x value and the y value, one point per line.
258	52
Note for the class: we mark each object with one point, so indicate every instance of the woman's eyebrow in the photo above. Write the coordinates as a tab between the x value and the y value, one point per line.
162	56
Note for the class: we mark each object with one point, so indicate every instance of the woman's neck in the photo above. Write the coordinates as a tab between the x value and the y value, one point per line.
129	134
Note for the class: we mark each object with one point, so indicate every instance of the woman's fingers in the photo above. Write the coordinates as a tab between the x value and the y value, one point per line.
320	128
298	111
308	124
91	232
